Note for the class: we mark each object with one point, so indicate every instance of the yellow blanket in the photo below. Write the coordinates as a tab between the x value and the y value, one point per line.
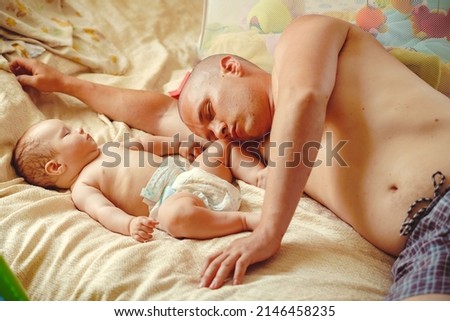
31	27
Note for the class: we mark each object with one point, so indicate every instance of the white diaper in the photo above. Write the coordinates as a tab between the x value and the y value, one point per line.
215	192
162	179
170	178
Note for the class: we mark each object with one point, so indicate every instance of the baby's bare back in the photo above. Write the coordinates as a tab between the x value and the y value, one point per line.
395	128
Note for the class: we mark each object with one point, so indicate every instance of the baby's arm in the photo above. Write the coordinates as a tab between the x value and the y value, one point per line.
162	146
92	201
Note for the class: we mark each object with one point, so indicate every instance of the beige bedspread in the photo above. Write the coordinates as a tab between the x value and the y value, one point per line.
60	253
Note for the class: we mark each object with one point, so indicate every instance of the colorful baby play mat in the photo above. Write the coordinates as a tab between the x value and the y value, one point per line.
416	31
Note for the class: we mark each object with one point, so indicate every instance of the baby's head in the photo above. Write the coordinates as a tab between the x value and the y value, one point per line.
50	154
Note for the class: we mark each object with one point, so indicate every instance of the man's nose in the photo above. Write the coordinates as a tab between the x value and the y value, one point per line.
220	129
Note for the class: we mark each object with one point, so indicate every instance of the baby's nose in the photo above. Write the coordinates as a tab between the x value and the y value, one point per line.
81	130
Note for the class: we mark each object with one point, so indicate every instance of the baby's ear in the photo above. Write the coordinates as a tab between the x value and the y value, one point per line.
53	167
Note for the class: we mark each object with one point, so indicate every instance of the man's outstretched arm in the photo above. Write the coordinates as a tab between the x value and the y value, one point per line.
152	112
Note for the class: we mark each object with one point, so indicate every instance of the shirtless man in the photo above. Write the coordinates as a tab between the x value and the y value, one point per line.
328	77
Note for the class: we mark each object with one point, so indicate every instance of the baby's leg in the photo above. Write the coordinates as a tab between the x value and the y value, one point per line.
184	215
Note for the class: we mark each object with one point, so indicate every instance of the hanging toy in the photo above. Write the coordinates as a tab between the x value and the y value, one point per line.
371	19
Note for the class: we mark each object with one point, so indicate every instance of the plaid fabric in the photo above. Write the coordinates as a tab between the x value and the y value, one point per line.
423	267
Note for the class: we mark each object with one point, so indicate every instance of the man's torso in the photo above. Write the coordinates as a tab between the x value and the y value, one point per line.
396	130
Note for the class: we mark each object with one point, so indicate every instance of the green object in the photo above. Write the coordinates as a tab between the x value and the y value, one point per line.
10	287
269	16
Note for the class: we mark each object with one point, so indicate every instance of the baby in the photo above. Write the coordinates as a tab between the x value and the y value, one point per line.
118	187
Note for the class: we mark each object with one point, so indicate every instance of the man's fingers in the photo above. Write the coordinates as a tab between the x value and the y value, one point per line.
26	80
24	62
208	261
209	270
237	257
240	270
217	270
21	66
19	70
224	271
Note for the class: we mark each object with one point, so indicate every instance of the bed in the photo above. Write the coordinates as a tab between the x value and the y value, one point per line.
60	253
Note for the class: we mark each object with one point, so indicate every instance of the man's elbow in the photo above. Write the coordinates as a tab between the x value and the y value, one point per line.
311	97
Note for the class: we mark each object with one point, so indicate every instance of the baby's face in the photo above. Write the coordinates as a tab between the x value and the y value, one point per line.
71	146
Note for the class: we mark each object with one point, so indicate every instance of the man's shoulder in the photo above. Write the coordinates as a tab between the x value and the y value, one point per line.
316	27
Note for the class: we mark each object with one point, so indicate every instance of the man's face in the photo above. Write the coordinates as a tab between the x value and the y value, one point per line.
234	108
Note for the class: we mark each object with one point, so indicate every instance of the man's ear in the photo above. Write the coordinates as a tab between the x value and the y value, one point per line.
230	65
55	168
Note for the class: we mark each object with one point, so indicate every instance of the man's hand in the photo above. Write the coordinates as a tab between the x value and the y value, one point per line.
141	228
35	74
238	256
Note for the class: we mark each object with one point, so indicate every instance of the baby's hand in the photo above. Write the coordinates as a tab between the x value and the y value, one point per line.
141	228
